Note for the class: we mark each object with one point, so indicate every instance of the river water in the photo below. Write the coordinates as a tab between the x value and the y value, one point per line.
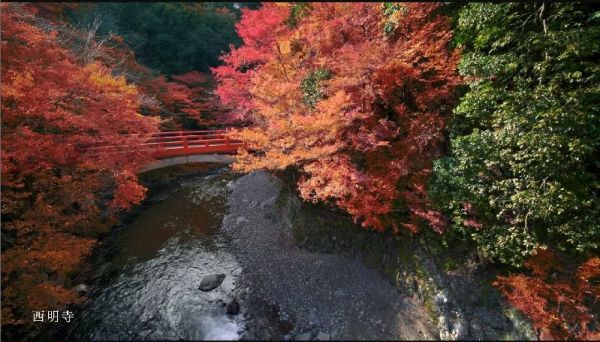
146	280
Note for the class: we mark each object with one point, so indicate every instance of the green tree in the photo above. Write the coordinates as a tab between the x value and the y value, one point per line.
173	38
523	166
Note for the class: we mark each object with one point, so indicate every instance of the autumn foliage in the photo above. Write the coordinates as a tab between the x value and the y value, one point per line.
56	194
181	101
184	100
358	97
561	304
354	94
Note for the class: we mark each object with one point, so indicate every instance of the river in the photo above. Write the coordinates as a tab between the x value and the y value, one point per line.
147	277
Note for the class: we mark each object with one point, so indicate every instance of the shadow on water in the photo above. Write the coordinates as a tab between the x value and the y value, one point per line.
148	275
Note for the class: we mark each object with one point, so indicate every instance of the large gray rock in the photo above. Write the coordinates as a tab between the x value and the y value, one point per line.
210	282
157	198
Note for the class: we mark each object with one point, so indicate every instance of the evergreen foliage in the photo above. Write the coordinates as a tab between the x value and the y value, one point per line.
173	38
523	167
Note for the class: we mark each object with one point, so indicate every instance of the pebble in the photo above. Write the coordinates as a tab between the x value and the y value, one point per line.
321	336
303	337
81	288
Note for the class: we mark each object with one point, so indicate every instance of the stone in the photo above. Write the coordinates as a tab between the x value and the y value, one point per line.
321	336
453	326
240	220
477	330
313	318
157	198
233	308
441	299
81	288
302	337
210	282
339	293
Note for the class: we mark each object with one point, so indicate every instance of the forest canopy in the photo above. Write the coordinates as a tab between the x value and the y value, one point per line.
173	38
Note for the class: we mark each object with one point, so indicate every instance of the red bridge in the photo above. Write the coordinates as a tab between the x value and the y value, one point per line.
187	143
182	143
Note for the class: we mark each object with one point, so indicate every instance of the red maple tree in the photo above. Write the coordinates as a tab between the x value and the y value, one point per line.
55	191
184	98
355	95
561	304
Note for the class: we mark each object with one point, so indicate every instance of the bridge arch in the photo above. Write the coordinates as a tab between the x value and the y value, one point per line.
192	159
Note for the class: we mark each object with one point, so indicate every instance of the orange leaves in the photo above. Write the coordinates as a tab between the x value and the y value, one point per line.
589	269
128	191
186	97
192	78
52	108
561	305
359	112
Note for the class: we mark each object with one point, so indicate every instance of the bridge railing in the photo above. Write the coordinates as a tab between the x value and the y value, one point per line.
178	143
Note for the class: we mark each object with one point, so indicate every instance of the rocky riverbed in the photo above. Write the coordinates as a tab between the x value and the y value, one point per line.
319	295
323	274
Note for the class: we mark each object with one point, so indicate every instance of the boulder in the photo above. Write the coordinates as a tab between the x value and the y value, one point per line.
210	282
157	198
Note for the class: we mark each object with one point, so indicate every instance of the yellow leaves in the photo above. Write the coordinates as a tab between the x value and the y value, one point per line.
101	78
19	83
285	47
